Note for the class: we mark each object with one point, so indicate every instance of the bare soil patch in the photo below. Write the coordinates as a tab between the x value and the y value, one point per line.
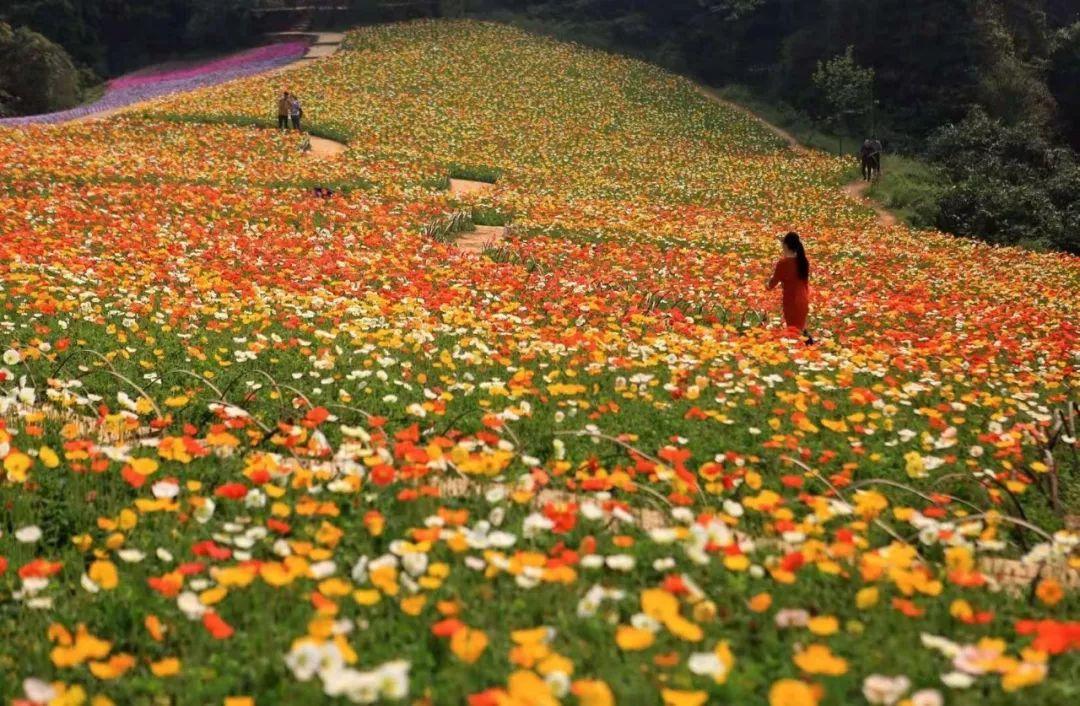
476	241
464	187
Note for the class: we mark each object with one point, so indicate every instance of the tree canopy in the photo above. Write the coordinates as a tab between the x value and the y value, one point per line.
36	75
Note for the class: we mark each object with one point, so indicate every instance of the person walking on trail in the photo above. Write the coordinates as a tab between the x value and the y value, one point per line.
284	103
870	155
295	112
792	271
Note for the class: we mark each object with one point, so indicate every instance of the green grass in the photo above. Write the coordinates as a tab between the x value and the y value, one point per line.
475	172
447	228
910	188
490	216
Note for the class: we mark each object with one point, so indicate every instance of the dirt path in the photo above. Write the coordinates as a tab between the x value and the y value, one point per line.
462	187
857	190
854	189
480	238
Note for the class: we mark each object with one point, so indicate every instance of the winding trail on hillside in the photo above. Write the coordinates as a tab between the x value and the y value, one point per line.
855	189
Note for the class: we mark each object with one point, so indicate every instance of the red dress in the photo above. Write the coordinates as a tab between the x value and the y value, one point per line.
796	292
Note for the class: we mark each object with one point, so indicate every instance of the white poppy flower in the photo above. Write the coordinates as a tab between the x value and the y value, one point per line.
303	661
88	584
165	490
322	569
38	691
501	540
29	534
927	697
957	680
885	690
620	562
641	621
189	605
205	511
131	556
416	563
707	664
558	683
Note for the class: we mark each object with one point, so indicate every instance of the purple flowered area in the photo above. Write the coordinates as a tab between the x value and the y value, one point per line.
142	85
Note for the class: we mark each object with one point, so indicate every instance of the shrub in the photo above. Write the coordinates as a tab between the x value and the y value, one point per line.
1010	186
36	76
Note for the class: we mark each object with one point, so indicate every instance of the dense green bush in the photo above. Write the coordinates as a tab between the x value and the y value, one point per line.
36	76
1009	184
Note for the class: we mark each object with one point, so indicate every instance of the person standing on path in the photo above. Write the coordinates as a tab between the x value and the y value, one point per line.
793	272
295	112
283	106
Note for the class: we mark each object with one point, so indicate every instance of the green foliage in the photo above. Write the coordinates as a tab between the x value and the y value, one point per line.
847	90
219	22
490	216
731	10
1016	44
475	172
36	76
447	228
1064	78
1010	185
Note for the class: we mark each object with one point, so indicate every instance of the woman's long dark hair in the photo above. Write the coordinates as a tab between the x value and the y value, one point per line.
792	243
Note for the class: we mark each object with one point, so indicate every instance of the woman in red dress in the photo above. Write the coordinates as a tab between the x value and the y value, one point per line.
793	272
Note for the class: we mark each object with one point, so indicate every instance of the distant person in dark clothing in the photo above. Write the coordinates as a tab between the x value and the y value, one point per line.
295	112
284	105
870	156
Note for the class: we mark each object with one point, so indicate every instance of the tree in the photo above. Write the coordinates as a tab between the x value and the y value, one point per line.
219	23
71	24
847	90
731	9
1064	78
36	76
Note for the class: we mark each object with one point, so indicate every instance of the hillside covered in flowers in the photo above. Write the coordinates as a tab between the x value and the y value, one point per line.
264	448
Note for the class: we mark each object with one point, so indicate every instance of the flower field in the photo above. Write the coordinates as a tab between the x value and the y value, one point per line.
144	85
264	448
